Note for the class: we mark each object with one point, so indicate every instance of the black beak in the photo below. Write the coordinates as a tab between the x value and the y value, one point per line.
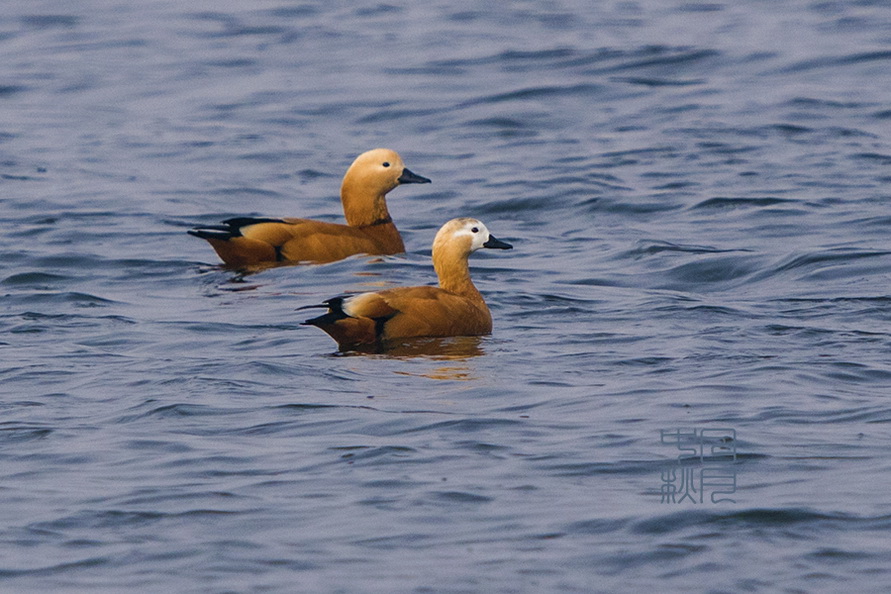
496	244
408	177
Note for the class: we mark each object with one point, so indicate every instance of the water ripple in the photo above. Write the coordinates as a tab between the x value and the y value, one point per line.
699	214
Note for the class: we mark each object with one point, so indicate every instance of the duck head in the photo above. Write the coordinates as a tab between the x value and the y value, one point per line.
367	181
466	235
454	242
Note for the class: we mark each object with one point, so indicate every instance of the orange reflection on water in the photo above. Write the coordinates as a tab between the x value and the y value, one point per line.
456	351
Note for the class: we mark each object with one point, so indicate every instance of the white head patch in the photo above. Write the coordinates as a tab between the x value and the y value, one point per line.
477	232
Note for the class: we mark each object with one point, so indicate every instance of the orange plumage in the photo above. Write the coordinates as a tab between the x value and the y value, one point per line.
245	241
455	308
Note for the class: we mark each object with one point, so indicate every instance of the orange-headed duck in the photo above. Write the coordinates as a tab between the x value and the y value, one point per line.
455	308
245	241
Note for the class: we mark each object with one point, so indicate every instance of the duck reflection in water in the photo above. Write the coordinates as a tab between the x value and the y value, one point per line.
439	358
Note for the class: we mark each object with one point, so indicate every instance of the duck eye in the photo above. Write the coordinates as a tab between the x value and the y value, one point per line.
475	230
386	163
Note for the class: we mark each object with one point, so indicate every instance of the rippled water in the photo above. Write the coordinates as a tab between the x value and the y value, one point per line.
698	198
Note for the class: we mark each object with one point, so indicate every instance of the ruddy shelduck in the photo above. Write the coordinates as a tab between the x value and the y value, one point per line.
245	241
455	308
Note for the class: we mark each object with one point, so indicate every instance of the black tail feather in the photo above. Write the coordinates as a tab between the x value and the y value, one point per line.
239	222
212	232
229	229
335	312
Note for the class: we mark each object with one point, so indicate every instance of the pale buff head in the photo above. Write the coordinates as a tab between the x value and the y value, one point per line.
367	181
380	170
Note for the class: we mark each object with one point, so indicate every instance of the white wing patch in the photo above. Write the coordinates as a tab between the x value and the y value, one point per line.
357	303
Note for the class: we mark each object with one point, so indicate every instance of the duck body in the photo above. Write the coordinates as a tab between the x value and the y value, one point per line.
454	308
245	241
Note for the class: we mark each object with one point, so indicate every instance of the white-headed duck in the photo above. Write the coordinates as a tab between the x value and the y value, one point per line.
455	308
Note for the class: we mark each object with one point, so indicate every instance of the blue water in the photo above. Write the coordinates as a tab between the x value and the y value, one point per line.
698	196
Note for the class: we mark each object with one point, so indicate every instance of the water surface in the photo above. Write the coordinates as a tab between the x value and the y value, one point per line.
697	194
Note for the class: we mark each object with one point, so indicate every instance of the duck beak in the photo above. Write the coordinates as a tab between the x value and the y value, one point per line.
496	244
408	177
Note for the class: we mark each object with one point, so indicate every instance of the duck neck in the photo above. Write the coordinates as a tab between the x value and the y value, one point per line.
454	275
362	206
